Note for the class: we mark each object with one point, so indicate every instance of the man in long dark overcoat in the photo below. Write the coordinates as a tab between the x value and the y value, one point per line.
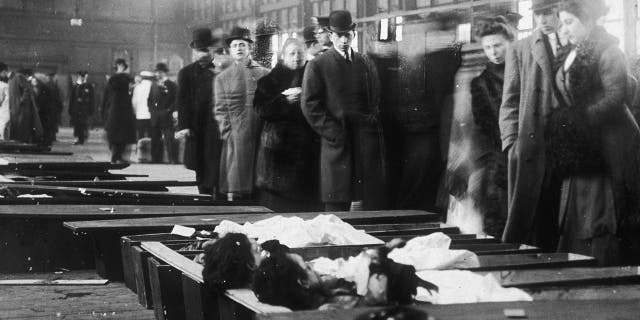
162	104
528	97
340	100
81	105
195	118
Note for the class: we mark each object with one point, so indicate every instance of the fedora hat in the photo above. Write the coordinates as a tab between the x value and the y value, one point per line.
309	34
202	38
340	21
543	4
161	66
239	33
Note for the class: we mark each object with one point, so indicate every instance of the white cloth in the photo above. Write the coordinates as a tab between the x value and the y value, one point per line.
432	253
458	286
4	107
140	100
554	43
295	232
355	269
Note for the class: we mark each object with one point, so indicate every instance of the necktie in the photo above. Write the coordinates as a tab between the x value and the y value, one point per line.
346	54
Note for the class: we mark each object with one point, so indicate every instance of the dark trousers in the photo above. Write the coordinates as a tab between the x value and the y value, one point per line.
546	231
143	128
81	130
162	139
420	169
336	206
117	152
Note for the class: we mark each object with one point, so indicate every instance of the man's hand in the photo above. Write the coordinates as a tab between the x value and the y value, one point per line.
292	94
182	134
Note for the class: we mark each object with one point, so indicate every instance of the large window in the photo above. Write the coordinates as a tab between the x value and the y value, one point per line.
525	27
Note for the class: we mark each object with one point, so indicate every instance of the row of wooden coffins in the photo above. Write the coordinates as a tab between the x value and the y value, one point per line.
562	285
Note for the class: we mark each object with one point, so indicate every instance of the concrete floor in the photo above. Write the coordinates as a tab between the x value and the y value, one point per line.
96	147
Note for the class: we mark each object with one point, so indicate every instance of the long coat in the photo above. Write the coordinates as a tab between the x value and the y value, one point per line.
81	103
288	155
162	103
325	105
194	100
25	124
527	99
239	124
121	121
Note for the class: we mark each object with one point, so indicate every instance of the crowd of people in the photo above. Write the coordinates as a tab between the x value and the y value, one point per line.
559	159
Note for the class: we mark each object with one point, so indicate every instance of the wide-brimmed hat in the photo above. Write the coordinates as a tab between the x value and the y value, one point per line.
309	34
340	21
544	4
202	38
147	74
239	33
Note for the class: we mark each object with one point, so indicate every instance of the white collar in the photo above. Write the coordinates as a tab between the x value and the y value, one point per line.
342	53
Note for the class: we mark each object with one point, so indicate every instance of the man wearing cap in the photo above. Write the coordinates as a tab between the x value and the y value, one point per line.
340	100
162	101
322	34
81	105
528	96
312	47
239	125
195	120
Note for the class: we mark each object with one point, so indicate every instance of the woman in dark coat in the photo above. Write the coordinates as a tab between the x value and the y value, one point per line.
25	124
121	121
593	139
487	184
288	155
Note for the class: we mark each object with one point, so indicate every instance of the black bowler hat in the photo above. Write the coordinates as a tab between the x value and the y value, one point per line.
239	33
162	67
539	5
309	34
340	21
202	38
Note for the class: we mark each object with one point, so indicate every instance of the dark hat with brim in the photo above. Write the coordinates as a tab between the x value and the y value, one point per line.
309	34
202	38
162	67
239	33
539	5
340	21
322	22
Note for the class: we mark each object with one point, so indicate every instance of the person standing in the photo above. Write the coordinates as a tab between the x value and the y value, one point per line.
162	102
340	100
4	99
121	120
239	124
81	105
490	192
312	47
140	103
287	165
196	123
25	125
593	140
528	97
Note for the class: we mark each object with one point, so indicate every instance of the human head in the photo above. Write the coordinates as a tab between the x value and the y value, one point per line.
161	70
229	262
577	18
342	29
239	42
82	76
545	13
4	71
495	35
121	65
292	53
281	279
321	33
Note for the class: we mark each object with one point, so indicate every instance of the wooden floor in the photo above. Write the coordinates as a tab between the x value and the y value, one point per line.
111	301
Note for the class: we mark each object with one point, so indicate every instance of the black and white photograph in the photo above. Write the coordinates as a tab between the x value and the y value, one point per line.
320	159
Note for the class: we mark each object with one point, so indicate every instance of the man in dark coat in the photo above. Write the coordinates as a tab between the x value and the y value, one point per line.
25	125
195	117
162	102
341	103
121	121
81	104
48	105
528	97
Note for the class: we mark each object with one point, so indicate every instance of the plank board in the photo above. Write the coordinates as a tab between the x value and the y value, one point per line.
565	276
201	221
61	282
149	185
83	211
529	261
543	310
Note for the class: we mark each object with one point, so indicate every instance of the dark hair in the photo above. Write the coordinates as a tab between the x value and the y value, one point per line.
494	26
3	67
121	62
278	280
585	10
162	67
228	263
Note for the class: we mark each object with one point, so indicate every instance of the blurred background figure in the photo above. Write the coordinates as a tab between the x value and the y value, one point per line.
82	101
162	104
25	125
121	120
4	99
